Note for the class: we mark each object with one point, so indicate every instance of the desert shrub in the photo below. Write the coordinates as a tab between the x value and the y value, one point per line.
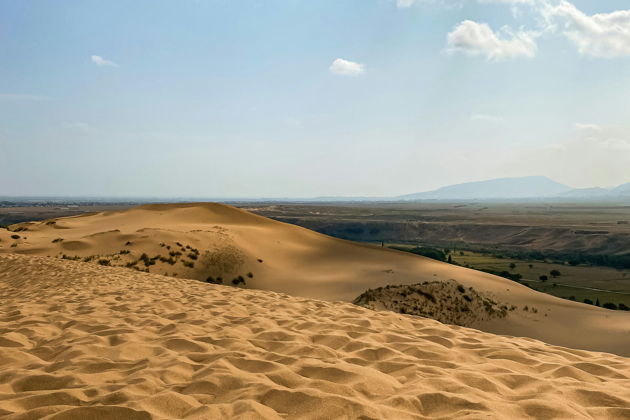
554	273
124	251
103	261
259	260
51	222
187	246
132	264
512	266
623	307
238	280
146	260
250	275
543	278
461	288
15	236
188	264
174	253
588	301
178	244
169	260
610	305
128	243
54	241
162	244
212	280
192	256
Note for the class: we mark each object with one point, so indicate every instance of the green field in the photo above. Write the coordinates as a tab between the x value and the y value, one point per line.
578	281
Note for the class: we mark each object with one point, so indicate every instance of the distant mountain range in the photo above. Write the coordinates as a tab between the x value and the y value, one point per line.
529	187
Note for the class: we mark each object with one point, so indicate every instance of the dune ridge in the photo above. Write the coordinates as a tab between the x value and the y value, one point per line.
84	341
222	244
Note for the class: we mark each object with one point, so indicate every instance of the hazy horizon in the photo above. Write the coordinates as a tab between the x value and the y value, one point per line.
298	99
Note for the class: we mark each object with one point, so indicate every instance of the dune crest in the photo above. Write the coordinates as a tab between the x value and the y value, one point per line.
84	341
221	244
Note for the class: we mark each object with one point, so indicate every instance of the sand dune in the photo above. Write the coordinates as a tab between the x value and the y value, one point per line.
211	241
81	341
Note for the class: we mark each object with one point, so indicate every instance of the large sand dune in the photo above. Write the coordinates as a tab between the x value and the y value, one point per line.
81	341
202	240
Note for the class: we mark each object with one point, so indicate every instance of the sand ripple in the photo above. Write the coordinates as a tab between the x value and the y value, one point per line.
79	341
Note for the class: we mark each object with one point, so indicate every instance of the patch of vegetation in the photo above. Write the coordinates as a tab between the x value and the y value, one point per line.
213	280
54	241
169	260
188	264
148	261
505	274
124	251
238	280
103	261
51	222
15	236
192	256
433	253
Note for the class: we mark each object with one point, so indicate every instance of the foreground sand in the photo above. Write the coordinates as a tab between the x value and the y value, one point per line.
283	258
80	341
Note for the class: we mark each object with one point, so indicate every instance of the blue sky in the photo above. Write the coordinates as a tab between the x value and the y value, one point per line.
295	98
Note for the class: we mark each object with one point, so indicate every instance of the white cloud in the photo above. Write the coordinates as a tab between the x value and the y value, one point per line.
478	39
100	61
346	68
599	35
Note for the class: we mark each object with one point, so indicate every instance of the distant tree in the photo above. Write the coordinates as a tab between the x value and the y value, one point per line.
543	278
554	273
610	305
531	265
588	301
597	302
450	259
512	266
623	307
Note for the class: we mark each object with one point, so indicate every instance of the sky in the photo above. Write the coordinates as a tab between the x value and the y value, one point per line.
297	98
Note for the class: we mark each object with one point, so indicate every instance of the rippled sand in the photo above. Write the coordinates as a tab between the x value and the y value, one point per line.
80	341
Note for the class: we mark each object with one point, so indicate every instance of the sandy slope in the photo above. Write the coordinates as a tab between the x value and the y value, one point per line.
230	242
81	341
